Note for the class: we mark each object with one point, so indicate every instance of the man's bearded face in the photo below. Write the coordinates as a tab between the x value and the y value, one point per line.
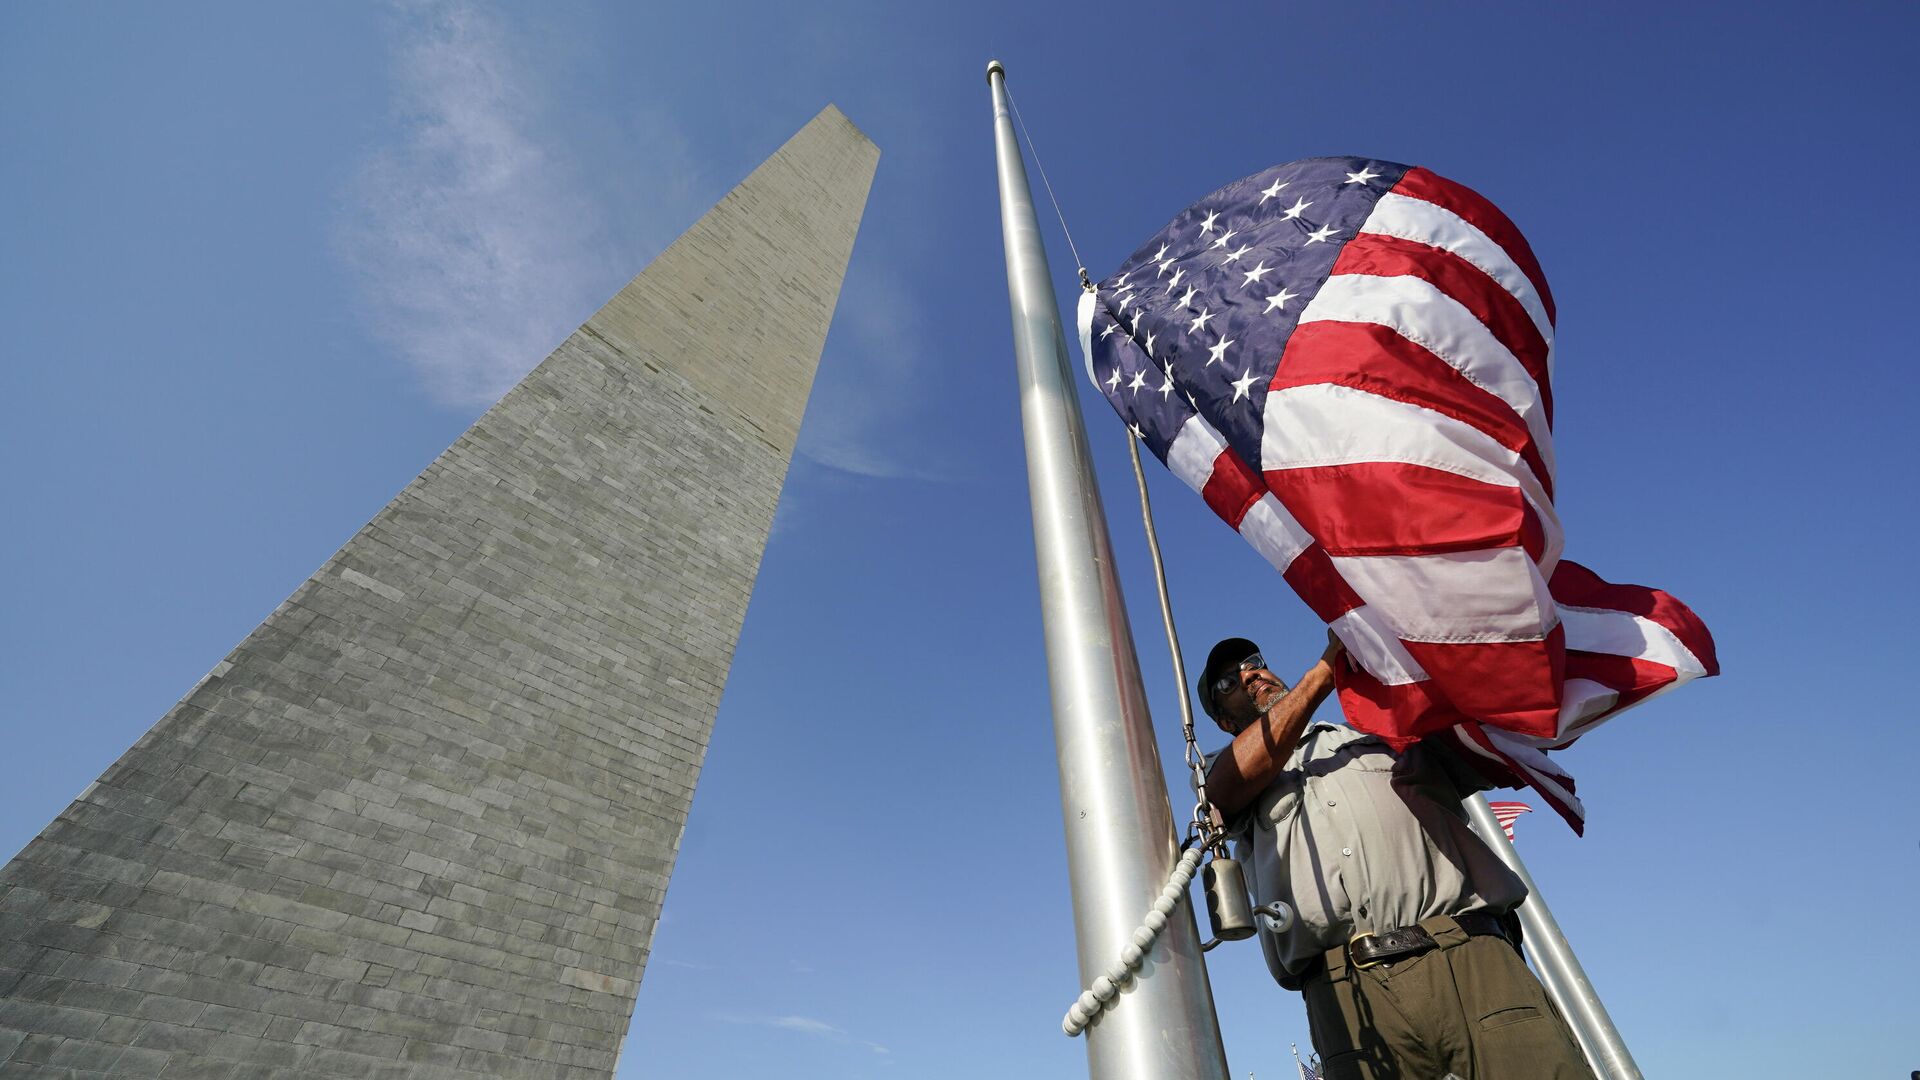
1259	691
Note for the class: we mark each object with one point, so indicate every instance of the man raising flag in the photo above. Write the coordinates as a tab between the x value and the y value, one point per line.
1350	360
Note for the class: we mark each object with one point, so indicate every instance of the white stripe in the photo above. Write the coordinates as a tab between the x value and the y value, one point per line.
1274	533
1322	424
1424	314
1468	744
1086	333
1372	642
1196	446
1622	633
1266	525
1426	223
1494	594
1545	775
1583	703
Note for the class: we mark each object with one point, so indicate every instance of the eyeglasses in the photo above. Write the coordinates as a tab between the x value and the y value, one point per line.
1227	682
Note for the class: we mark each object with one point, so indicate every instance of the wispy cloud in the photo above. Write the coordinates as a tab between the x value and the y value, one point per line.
501	213
805	1025
876	383
476	246
688	964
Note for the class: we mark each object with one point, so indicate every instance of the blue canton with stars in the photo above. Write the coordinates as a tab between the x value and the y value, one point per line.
1197	319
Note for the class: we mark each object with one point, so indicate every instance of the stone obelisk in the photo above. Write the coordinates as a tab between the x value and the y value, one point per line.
421	821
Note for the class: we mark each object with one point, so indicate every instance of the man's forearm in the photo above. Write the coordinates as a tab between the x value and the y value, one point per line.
1257	754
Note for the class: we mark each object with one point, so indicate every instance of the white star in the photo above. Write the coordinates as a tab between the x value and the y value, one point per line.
1224	237
1187	300
1243	385
1279	300
1320	234
1199	322
1214	355
1149	347
1137	433
1365	174
1109	330
1272	191
1163	267
1161	254
1166	388
1174	281
1257	273
1234	256
1135	324
1122	282
1207	225
1114	383
1139	380
1124	301
1294	211
1191	401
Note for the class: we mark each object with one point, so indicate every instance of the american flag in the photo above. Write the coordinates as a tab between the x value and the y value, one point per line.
1350	361
1505	812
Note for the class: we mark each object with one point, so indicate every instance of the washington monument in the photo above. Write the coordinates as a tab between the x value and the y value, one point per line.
421	821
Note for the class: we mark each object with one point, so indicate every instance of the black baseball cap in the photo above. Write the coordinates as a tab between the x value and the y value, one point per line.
1225	657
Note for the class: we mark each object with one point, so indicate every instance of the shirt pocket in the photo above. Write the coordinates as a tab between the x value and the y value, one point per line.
1279	806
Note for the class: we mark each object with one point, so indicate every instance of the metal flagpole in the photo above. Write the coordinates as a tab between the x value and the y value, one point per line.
1560	971
1120	841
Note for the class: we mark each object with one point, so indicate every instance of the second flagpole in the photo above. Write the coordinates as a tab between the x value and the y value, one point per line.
1560	971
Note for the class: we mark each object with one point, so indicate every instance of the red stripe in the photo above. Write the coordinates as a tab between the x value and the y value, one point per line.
1390	256
1631	678
1377	360
1231	491
1473	208
1622	674
1232	488
1316	580
1399	714
1578	586
1510	684
1393	508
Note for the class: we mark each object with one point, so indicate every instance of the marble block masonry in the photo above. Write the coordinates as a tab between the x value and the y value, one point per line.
419	824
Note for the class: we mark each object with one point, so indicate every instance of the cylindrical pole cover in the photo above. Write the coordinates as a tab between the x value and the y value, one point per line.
1113	795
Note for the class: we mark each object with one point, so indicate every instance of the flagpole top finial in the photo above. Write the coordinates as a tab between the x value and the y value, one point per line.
993	66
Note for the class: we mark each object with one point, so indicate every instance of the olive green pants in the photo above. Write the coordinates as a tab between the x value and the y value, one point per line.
1470	1008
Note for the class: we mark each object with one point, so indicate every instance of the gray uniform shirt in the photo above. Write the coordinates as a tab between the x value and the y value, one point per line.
1358	839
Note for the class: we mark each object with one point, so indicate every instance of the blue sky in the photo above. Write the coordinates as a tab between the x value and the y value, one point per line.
261	263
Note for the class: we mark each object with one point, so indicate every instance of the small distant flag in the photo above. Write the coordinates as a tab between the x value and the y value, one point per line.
1307	1072
1506	812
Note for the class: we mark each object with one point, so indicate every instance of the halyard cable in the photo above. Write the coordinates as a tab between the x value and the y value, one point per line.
1085	281
1105	988
1203	819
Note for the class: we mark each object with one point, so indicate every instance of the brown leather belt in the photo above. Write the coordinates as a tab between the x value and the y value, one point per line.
1365	952
1408	941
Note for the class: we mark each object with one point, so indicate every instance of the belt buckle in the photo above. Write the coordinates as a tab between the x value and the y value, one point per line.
1356	964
